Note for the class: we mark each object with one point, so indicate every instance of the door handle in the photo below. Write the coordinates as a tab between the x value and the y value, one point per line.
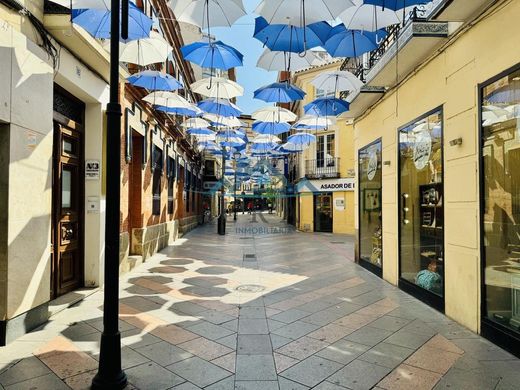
405	197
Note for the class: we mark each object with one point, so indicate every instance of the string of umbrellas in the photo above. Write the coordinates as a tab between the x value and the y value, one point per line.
296	34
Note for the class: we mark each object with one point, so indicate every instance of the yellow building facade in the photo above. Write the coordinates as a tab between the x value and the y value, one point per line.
325	189
436	199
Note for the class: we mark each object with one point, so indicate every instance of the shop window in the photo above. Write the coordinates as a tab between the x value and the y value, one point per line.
370	217
500	155
156	180
421	212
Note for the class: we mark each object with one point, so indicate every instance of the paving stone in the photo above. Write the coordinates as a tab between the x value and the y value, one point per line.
343	351
44	382
407	339
330	333
229	341
432	359
252	326
136	338
199	371
231	325
205	348
255	368
302	348
311	371
295	330
69	363
227	362
286	384
323	317
418	326
215	317
407	377
387	355
279	341
389	323
164	353
252	312
273	324
259	344
186	386
328	386
209	330
152	376
359	375
289	316
224	384
368	336
25	369
130	358
256	385
283	362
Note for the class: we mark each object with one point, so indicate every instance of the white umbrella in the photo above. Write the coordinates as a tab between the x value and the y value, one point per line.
217	87
266	139
369	17
206	138
301	12
230	121
83	4
340	80
289	146
145	51
273	114
280	60
195	123
315	121
169	99
197	12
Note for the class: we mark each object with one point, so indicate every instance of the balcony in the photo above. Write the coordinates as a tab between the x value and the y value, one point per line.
326	168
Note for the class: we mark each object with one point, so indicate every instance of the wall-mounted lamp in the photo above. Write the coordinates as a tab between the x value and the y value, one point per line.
456	141
387	163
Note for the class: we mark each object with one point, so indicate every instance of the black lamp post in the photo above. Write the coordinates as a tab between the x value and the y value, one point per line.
222	216
110	375
236	155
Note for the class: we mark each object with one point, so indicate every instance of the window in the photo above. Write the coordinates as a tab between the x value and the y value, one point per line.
500	154
156	181
325	151
209	168
171	183
370	218
321	93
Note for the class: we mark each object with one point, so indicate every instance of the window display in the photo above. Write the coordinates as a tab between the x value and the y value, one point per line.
421	204
501	191
370	219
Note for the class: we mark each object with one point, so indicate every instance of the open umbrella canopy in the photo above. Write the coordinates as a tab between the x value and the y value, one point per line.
197	123
327	106
273	114
396	4
222	121
301	139
168	99
207	13
368	17
153	80
219	107
281	60
266	139
212	54
283	37
145	51
301	12
200	131
273	128
289	147
313	123
96	21
217	87
340	80
352	43
279	93
191	111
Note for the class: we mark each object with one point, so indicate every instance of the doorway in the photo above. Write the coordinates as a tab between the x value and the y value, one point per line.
323	212
421	211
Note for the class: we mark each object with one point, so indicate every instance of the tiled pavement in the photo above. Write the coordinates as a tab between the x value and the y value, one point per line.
261	308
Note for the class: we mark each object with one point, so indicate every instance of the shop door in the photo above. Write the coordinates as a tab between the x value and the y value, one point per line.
421	242
323	213
67	227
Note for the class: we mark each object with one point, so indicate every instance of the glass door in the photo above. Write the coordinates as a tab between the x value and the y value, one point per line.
370	217
421	211
323	213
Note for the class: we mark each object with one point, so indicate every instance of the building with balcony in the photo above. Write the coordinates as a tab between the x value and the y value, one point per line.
323	175
436	135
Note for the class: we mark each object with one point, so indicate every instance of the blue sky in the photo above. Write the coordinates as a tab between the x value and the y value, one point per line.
240	36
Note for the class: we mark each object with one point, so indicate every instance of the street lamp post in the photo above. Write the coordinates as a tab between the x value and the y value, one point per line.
236	155
110	374
222	216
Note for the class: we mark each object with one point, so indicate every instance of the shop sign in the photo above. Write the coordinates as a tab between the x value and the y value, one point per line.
372	165
422	149
339	204
92	169
330	185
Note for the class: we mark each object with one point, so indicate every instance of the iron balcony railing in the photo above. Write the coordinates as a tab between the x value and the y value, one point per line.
327	167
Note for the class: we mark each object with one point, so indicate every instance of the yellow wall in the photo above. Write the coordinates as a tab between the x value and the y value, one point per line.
449	80
306	212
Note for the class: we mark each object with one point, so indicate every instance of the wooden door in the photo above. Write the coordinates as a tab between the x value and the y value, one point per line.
68	217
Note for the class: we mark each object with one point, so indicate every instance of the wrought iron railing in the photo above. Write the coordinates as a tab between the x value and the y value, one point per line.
322	168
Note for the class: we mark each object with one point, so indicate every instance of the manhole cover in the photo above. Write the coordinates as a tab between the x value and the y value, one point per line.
252	288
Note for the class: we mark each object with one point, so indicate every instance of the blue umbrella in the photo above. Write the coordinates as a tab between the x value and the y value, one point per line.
282	37
263	148
221	107
327	106
212	55
279	93
301	139
179	110
273	128
97	22
396	4
154	80
200	131
352	43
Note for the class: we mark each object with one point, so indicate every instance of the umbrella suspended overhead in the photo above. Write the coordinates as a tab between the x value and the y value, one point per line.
273	114
217	87
200	132
368	17
396	4
214	55
301	12
207	13
154	80
145	51
266	139
289	147
167	99
314	123
195	123
273	128
327	106
352	43
219	120
283	37
279	93
191	111
221	107
97	22
280	60
301	139
340	80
